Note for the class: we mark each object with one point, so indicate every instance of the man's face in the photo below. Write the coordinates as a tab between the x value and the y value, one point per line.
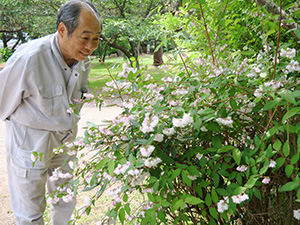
83	40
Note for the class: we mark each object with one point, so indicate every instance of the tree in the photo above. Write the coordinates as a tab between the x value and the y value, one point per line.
29	19
127	24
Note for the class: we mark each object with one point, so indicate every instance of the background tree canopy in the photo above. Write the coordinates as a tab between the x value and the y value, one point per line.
129	26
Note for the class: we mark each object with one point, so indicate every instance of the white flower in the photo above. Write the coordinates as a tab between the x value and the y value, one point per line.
152	162
87	201
169	131
242	168
192	177
203	129
67	198
71	164
128	105
222	206
149	123
239	198
266	180
297	214
294	66
34	158
88	96
186	120
225	121
146	152
272	164
52	201
289	53
159	137
70	110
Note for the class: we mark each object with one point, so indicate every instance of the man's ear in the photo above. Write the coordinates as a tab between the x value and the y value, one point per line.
62	30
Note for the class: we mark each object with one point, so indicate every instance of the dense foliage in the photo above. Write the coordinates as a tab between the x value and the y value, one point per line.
217	142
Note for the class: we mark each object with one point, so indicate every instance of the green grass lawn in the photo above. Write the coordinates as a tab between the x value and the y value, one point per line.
100	73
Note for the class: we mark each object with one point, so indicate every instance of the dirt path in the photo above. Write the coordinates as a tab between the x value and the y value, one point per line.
88	113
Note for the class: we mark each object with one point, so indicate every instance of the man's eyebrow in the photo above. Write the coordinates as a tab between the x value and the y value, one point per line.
89	32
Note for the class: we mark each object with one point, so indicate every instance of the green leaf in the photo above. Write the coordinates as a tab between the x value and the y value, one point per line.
122	215
277	145
178	204
222	192
289	169
201	1
290	113
251	182
295	158
185	178
286	149
233	103
213	212
214	196
127	208
176	173
239	190
111	167
271	104
237	156
279	162
271	132
192	200
290	186
225	148
257	193
208	199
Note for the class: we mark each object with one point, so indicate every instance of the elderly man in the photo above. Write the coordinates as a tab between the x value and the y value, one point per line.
40	81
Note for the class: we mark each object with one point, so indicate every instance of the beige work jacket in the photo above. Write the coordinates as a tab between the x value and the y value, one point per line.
37	86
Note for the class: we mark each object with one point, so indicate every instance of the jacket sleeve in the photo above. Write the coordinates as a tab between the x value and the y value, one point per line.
13	82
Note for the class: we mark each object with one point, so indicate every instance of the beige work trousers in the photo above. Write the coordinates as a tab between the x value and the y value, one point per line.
27	183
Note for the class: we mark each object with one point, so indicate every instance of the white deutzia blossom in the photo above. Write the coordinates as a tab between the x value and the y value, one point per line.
88	96
71	164
70	110
225	121
296	214
149	123
294	66
146	152
169	131
128	105
203	129
289	53
242	168
52	201
266	180
159	137
222	206
152	162
33	157
240	198
192	177
186	120
272	164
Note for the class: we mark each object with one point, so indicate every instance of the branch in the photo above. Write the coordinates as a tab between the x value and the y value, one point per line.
275	10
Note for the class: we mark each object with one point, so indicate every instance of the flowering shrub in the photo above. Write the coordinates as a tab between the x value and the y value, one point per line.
211	143
214	145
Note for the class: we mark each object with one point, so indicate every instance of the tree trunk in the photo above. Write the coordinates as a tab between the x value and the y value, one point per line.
158	56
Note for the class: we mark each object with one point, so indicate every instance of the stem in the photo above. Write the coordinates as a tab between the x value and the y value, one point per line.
264	31
220	23
186	69
278	39
207	35
112	79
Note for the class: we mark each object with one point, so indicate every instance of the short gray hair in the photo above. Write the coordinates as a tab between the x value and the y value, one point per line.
69	14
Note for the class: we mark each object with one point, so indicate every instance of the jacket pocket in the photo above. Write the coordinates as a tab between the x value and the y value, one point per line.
50	98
